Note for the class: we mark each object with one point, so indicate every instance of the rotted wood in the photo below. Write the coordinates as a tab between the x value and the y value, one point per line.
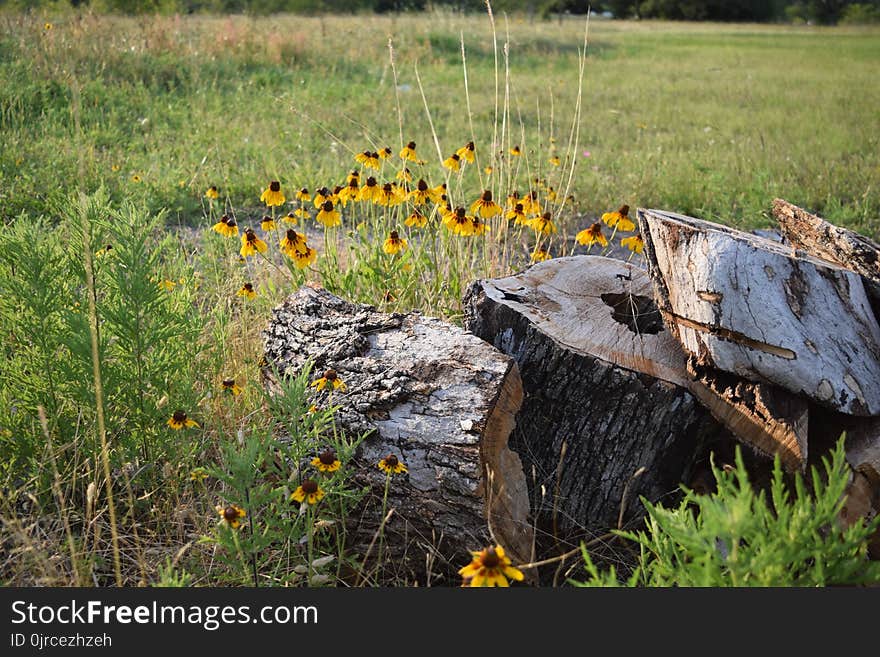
606	388
749	306
767	418
822	239
441	400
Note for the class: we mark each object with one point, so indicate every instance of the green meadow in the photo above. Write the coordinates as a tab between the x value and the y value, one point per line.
713	120
137	445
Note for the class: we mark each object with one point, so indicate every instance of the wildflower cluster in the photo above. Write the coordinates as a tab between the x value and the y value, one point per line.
408	230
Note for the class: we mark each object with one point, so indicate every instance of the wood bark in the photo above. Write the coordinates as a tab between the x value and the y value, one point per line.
437	397
751	307
605	388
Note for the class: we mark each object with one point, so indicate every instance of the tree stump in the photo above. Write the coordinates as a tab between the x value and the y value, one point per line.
441	400
754	308
606	388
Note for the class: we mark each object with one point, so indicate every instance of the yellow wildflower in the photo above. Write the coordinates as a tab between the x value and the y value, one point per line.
308	491
619	219
330	378
592	235
272	195
392	465
490	567
394	244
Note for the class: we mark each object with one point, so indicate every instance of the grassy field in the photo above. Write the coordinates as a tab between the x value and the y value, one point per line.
113	129
703	119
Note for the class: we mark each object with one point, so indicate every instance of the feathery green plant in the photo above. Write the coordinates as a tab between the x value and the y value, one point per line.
738	537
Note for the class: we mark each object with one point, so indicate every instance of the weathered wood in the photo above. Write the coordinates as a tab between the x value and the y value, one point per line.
822	239
766	418
437	397
818	237
605	388
749	306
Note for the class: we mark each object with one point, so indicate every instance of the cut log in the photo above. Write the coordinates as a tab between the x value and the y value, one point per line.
749	306
605	388
441	400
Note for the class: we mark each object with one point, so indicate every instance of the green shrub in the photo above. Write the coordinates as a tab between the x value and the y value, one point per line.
739	537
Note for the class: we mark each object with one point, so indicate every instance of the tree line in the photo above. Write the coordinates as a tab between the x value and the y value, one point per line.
823	12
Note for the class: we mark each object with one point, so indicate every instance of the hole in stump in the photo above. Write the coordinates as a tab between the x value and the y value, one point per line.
639	314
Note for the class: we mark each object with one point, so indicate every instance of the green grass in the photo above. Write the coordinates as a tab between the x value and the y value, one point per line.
113	128
704	119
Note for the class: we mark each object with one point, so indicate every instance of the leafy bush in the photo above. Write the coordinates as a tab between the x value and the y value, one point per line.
737	537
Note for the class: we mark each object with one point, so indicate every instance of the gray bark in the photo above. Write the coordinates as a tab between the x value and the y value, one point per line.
441	400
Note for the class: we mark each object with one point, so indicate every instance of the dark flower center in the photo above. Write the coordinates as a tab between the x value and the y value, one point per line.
250	235
386	150
330	375
375	156
355	173
470	146
366	154
391	461
304	191
491	559
327	457
623	210
394	236
328	206
230	514
411	145
337	189
353	183
487	196
228	383
387	188
546	216
213	188
292	236
230	222
371	182
518	208
423	186
596	228
275	186
309	487
455	156
459	214
179	416
267	218
324	191
248	287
